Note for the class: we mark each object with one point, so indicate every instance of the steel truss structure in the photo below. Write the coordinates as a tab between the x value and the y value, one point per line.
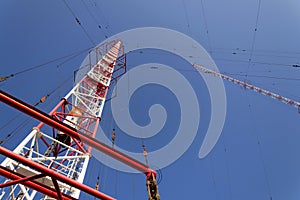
53	159
251	87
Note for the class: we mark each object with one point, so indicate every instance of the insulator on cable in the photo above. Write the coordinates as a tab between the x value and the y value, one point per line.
144	149
97	186
43	99
113	136
77	20
4	78
145	153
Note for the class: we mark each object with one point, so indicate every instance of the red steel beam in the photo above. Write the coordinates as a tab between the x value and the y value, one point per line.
21	180
44	117
56	186
36	186
49	172
53	110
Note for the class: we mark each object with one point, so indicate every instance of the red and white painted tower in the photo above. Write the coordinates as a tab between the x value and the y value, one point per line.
58	160
250	87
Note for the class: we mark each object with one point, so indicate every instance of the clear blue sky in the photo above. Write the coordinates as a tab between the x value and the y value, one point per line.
257	155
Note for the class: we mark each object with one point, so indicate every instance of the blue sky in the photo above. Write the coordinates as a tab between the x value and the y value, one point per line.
256	156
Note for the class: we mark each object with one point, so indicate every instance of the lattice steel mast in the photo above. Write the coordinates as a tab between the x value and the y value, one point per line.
251	87
58	151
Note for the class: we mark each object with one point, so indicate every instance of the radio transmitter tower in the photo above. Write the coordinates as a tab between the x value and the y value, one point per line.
51	162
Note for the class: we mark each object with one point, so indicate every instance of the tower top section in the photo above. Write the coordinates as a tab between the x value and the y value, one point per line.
89	94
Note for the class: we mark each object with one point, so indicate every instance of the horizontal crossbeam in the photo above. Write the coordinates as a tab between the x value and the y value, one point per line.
47	119
88	140
7	173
